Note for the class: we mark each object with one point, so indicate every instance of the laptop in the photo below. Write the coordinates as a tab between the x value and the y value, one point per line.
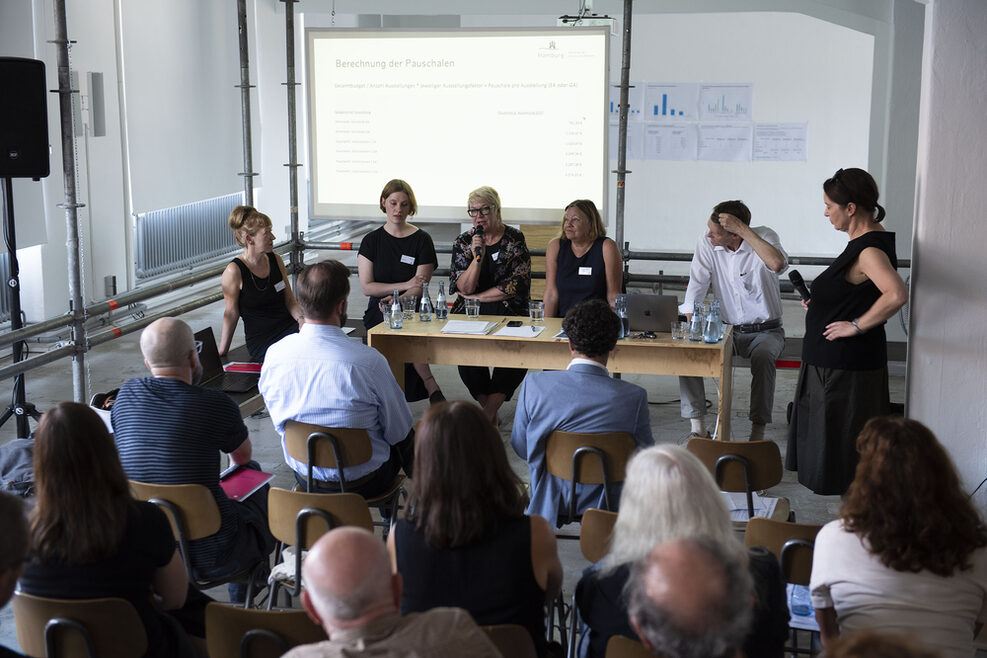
652	312
213	375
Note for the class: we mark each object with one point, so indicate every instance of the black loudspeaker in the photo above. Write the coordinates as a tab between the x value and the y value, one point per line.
23	119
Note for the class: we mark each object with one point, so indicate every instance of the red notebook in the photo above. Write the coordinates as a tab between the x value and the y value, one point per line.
239	482
243	366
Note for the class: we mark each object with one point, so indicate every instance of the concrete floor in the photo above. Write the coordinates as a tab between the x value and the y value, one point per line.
109	365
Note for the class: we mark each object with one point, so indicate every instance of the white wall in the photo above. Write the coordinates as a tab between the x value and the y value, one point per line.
947	361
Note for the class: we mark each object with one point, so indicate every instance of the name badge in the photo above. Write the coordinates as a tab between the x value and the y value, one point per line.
494	255
279	286
585	271
408	260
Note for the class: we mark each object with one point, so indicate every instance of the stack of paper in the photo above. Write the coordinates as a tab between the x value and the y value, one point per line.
737	502
528	331
472	327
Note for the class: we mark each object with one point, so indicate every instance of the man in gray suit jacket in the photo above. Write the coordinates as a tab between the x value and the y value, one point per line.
581	398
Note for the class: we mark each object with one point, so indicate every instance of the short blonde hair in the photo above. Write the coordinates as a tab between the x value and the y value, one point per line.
489	196
588	208
247	220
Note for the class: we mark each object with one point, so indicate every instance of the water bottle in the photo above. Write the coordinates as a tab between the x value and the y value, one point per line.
396	321
441	309
711	333
425	307
620	306
696	326
800	604
716	304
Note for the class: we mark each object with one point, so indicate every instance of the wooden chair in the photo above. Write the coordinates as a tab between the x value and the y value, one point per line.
594	543
511	640
792	544
588	459
56	628
619	646
233	632
193	514
338	448
743	466
298	519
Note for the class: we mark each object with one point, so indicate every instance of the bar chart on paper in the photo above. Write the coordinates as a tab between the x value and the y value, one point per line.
670	102
726	101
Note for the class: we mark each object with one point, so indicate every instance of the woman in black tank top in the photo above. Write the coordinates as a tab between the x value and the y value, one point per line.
843	381
256	287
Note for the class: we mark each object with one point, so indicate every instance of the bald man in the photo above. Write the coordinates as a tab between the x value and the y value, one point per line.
168	430
691	598
351	592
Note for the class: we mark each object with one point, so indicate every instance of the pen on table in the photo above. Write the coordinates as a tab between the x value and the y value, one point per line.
532	328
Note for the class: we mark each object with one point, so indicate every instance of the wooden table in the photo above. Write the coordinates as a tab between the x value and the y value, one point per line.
424	342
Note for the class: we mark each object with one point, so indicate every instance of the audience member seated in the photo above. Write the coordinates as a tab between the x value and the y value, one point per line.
351	592
871	644
582	263
91	539
466	541
907	554
14	546
581	398
690	598
321	377
669	494
168	430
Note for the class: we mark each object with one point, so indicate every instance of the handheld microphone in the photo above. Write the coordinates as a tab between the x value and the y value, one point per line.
478	231
799	284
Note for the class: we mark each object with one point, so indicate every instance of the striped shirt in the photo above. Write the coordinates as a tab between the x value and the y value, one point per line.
320	376
169	432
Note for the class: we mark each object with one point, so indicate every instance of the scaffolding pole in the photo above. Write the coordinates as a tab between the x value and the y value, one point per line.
244	87
621	171
297	251
71	204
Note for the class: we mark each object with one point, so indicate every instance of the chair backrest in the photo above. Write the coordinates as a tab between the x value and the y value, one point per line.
352	446
595	532
619	646
763	458
57	627
512	640
284	507
190	508
561	448
791	543
260	633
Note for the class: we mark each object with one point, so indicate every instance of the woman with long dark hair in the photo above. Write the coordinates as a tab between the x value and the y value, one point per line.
907	555
91	539
466	541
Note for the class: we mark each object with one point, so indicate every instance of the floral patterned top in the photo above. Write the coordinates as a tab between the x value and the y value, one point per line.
506	266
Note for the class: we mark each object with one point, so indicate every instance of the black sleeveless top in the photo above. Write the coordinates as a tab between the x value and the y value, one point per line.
395	260
492	579
575	286
266	319
836	299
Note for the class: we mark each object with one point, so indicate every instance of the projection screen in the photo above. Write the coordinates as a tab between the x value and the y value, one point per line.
521	110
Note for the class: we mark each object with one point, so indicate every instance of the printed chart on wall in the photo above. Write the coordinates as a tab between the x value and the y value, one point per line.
701	121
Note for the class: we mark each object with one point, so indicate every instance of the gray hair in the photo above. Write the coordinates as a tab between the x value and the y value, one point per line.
668	494
727	616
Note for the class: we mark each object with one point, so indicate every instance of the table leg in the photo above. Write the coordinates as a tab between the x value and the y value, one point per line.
725	393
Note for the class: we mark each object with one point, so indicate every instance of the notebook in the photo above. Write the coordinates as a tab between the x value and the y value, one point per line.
238	482
652	312
213	375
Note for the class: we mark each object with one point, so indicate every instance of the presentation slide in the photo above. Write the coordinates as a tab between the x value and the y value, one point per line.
524	111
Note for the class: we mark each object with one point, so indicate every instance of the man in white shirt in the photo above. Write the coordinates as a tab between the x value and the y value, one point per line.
742	263
320	376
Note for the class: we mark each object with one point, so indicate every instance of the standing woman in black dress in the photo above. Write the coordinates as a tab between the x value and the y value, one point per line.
583	263
844	377
398	255
256	287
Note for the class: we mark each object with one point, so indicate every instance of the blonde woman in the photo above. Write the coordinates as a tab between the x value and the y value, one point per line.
256	287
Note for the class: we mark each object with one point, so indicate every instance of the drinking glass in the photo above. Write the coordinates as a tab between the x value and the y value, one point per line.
409	304
536	311
472	308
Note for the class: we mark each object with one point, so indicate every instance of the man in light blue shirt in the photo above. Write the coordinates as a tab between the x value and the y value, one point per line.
582	398
321	377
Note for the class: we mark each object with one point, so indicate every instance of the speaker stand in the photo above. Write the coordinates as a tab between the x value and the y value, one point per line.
18	407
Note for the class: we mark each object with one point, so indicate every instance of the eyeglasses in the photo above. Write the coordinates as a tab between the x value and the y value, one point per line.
198	347
474	212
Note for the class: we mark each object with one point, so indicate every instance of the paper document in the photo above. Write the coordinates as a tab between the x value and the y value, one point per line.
737	502
348	330
524	331
472	327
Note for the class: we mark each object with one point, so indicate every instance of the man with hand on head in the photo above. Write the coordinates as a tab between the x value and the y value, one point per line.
742	263
582	398
351	592
169	430
691	598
